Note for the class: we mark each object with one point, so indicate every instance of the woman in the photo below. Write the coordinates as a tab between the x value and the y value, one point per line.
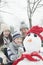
5	37
5	34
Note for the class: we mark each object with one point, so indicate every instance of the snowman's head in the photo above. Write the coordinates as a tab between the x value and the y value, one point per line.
32	42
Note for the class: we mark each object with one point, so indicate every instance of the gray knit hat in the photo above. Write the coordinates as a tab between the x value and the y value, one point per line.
23	25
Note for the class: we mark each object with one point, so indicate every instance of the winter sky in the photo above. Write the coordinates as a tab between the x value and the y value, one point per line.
17	12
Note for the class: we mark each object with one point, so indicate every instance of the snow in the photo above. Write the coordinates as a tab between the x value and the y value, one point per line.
26	62
17	12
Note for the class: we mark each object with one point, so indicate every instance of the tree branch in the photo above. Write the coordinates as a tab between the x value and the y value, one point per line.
36	6
0	1
6	12
33	5
29	8
35	2
40	5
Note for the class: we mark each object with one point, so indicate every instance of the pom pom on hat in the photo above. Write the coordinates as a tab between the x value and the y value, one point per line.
37	30
23	25
4	27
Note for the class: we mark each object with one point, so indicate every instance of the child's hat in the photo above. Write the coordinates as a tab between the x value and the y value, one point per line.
16	34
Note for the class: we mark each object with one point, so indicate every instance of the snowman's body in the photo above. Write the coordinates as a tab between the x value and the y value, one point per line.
26	62
32	43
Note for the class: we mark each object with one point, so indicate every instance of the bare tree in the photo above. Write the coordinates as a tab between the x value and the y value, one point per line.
31	8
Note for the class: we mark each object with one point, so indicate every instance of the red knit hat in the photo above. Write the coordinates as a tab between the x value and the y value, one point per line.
37	30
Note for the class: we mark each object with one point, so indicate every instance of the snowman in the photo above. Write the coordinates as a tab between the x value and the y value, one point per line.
32	44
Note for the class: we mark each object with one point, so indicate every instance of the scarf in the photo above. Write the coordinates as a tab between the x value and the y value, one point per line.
29	57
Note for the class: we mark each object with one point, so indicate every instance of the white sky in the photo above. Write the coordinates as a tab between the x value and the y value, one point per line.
18	13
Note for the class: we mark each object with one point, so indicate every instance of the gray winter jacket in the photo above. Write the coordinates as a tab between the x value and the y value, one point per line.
14	51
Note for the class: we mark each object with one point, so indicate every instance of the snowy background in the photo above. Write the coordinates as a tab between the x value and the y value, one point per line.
15	11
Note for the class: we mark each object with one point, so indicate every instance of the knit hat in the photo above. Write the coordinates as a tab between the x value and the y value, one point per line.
4	27
23	25
37	30
16	35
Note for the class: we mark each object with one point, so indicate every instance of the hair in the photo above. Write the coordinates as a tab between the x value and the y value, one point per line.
1	38
42	44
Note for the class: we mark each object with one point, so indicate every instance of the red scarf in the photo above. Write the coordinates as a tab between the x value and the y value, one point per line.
29	57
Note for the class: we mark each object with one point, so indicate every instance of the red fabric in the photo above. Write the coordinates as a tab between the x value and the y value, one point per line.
37	55
37	30
29	57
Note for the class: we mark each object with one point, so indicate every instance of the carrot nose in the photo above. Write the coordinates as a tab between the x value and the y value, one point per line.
30	40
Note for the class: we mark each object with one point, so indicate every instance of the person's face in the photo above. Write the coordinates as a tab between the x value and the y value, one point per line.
6	33
18	40
24	30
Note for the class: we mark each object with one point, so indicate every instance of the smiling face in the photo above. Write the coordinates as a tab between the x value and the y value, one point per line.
18	40
32	43
6	33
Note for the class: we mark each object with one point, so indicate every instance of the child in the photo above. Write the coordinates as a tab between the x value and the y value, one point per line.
15	48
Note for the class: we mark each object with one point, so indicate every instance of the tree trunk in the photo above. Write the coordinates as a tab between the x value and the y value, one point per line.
30	22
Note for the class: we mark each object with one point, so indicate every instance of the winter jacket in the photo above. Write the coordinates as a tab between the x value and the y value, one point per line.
3	57
14	51
5	41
